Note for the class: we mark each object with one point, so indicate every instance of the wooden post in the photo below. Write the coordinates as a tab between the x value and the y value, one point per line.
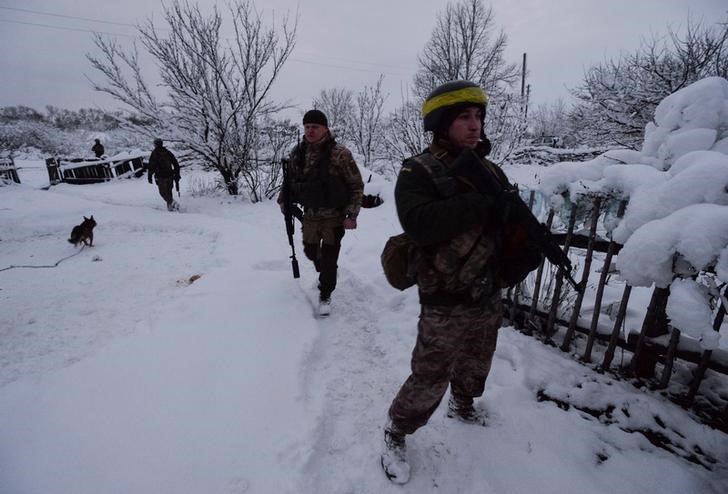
654	324
621	313
596	207
539	278
549	330
600	290
669	358
699	373
517	288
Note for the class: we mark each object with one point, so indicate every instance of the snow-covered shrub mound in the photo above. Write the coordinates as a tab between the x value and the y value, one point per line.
699	233
703	181
677	187
692	119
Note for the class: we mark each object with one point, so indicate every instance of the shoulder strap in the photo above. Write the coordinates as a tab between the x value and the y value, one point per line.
438	172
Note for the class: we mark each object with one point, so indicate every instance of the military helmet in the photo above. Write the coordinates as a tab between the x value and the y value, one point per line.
158	142
441	104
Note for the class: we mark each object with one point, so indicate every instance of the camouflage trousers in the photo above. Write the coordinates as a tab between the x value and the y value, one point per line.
455	346
321	244
165	189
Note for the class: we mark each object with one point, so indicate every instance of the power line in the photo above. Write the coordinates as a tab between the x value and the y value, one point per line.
67	16
324	64
66	28
309	62
38	12
400	67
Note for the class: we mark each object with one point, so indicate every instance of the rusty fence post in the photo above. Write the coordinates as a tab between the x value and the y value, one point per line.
614	337
549	329
600	291
699	373
596	208
539	279
654	324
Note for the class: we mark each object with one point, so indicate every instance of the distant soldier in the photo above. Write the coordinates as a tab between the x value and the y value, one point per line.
164	165
98	148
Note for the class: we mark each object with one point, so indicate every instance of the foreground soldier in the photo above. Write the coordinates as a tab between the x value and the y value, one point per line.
326	182
453	228
164	165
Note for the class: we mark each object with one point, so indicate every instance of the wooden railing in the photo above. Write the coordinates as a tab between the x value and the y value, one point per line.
7	169
544	307
83	171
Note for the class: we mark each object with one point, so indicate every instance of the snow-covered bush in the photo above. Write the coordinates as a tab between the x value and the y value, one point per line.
676	222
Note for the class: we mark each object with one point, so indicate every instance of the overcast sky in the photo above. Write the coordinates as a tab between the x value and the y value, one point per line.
340	43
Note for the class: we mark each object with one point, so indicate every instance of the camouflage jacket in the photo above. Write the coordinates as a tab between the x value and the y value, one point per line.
304	162
163	164
450	223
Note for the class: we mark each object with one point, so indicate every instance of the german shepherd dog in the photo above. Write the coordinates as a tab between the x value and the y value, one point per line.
83	232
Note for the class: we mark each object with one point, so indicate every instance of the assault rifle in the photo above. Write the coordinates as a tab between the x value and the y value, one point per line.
492	182
290	211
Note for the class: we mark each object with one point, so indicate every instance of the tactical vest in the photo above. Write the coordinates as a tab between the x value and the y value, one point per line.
316	188
456	272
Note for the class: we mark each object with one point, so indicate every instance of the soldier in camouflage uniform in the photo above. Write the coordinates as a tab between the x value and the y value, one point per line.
456	236
326	182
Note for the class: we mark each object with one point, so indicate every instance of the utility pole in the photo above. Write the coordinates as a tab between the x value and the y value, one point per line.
523	77
525	93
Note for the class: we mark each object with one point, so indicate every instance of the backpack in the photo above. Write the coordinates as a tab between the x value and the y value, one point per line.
398	261
399	257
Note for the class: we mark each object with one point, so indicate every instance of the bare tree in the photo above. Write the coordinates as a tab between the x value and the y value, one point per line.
550	119
404	135
338	105
217	89
466	45
617	98
368	123
275	139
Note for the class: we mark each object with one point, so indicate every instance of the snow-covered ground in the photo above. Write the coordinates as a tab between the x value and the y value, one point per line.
119	374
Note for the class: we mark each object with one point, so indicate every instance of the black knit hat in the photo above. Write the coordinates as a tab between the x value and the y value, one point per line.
443	103
315	117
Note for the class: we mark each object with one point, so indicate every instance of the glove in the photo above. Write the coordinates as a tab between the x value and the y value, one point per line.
350	223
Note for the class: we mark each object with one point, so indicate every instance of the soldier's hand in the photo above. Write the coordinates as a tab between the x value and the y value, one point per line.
350	223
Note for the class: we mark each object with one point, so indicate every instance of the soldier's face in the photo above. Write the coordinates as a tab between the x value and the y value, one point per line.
314	132
464	131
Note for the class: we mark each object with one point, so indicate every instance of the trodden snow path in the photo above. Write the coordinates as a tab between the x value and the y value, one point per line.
119	375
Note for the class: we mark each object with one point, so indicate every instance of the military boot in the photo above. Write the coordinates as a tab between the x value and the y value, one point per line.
324	307
394	456
462	409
